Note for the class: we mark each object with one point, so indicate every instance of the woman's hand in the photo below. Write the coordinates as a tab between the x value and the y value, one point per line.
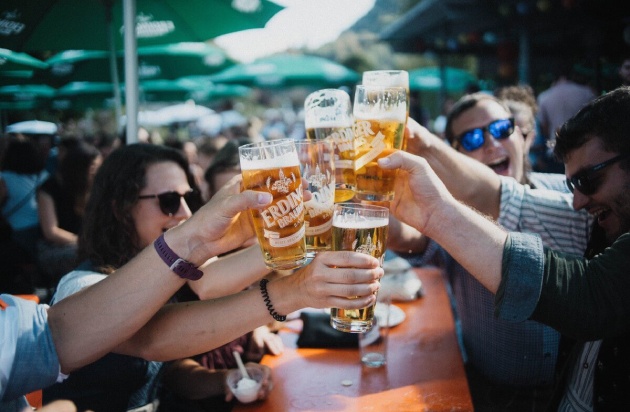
263	338
342	279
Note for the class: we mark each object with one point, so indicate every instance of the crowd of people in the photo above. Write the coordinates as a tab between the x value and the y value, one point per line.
536	259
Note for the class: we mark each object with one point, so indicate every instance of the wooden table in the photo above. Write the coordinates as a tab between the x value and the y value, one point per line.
425	371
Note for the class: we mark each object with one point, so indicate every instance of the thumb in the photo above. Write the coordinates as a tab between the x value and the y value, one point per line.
393	161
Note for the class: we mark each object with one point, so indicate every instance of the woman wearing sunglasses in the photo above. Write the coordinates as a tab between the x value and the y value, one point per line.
140	192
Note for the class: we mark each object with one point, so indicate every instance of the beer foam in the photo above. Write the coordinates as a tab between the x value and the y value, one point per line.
396	115
289	159
328	124
359	222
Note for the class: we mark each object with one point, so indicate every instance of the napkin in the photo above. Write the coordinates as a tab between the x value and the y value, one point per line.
317	333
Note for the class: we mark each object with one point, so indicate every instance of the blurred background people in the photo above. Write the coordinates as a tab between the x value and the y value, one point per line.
61	204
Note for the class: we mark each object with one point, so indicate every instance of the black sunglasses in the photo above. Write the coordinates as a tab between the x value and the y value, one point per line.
170	202
586	181
473	139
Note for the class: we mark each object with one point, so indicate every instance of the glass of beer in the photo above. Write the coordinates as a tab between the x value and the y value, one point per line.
274	167
328	115
380	114
317	166
360	228
388	78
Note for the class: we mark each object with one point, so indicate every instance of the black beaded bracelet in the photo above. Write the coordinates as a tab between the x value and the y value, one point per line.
265	294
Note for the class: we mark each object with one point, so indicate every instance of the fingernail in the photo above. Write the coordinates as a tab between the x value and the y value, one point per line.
264	198
384	161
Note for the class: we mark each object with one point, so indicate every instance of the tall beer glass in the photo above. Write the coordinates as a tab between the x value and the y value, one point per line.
317	166
388	78
379	122
360	228
328	115
274	167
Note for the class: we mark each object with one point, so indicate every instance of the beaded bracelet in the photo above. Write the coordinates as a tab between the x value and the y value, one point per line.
265	294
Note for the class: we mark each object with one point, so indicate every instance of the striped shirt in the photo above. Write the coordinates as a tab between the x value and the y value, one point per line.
547	213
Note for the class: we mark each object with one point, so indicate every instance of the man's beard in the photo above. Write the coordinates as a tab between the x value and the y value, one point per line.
622	209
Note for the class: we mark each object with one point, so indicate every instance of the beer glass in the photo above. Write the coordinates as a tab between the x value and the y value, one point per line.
360	228
274	167
328	115
388	78
317	166
379	122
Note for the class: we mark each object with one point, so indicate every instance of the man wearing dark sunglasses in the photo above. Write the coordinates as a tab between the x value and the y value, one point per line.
499	354
585	298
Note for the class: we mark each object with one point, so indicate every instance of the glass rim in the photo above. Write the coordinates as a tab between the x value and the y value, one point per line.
375	87
266	143
361	206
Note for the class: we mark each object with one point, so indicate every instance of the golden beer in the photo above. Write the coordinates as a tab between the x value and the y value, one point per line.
280	226
389	78
318	170
376	139
360	228
379	122
318	227
343	140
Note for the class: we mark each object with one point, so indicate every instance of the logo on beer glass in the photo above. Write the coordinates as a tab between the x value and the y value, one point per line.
318	170
282	184
273	167
369	248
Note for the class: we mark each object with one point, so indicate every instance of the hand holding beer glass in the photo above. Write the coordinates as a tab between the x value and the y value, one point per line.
360	228
328	115
317	166
380	114
274	167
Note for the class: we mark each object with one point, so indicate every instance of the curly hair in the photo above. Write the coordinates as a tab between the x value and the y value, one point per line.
605	118
109	238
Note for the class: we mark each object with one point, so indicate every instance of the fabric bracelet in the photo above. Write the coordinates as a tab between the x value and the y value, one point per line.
265	294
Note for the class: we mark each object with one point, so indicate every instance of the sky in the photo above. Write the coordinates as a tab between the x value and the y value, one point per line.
302	24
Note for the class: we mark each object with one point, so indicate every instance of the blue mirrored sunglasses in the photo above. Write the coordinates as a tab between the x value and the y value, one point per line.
473	139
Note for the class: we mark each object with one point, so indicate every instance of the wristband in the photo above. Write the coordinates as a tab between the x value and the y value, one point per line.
182	268
265	294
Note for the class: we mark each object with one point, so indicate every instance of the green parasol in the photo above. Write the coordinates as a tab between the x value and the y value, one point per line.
288	70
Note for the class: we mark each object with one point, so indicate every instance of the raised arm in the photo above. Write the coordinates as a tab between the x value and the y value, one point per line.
221	279
467	179
423	202
91	323
329	281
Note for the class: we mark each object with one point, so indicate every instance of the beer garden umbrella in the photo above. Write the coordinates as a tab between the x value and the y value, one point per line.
25	97
188	88
55	25
17	68
12	61
168	61
288	70
83	95
430	79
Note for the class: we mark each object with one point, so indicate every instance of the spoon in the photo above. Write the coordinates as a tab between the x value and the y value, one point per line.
241	367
